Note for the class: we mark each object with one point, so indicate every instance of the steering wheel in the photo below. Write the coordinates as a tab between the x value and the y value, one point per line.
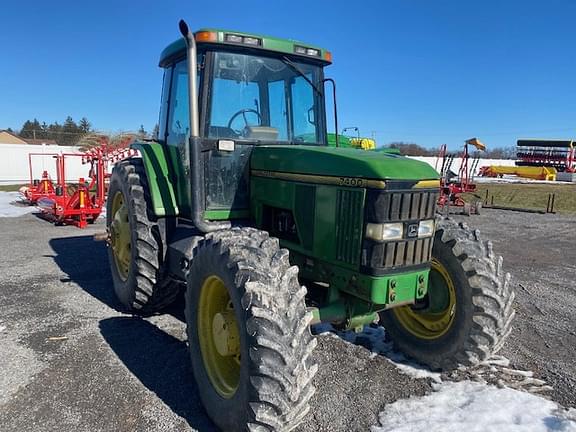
243	112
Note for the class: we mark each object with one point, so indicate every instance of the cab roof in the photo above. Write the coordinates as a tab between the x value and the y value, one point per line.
222	37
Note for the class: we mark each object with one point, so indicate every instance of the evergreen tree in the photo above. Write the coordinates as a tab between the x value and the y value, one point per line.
85	125
26	131
43	131
70	132
55	132
30	129
37	128
67	134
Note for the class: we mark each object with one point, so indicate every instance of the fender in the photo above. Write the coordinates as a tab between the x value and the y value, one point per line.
160	178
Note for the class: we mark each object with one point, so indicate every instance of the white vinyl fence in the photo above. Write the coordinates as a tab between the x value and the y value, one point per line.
455	167
14	163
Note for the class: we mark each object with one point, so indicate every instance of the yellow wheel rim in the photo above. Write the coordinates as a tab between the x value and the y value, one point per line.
219	337
434	321
120	240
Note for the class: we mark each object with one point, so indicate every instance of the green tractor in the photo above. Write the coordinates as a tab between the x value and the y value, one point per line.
240	201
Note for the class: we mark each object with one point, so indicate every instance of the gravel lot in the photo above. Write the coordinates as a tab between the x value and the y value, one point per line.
70	361
540	253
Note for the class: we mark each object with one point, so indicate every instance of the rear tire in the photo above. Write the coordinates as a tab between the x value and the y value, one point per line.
270	388
138	272
478	320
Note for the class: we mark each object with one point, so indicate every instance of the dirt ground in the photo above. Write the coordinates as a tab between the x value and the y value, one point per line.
70	361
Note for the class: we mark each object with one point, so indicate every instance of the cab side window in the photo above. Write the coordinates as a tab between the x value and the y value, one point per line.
164	106
178	118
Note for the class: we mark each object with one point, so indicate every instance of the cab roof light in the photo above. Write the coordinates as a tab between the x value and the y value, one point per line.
328	56
206	36
299	49
302	50
252	41
239	39
232	38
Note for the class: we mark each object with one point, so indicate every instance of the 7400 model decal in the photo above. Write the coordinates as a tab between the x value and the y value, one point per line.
352	181
320	179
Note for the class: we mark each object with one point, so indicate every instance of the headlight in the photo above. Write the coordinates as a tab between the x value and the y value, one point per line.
382	232
426	228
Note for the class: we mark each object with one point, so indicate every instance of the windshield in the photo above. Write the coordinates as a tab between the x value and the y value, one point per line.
263	99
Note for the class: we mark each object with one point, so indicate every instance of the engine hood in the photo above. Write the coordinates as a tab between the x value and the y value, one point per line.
339	162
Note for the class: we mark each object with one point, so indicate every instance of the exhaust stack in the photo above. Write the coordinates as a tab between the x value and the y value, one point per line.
196	168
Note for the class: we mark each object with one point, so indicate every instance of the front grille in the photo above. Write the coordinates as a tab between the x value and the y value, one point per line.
394	254
400	206
348	225
408	207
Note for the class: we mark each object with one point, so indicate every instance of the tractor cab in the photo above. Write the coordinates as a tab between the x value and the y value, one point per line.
250	90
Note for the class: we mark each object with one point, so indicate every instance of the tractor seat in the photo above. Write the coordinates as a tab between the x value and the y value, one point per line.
264	133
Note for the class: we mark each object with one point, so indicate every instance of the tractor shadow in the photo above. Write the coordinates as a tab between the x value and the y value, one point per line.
160	362
85	262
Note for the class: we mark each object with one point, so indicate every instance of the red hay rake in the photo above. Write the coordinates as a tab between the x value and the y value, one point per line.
79	203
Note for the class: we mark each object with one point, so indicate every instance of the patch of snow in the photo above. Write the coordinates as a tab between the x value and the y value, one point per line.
523	373
512	179
377	336
497	360
103	212
8	207
468	406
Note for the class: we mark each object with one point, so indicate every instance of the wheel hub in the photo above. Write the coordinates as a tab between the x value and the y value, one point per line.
219	337
434	321
225	333
120	240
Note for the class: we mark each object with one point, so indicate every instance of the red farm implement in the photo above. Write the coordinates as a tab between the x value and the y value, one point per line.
453	185
77	203
80	203
38	188
557	154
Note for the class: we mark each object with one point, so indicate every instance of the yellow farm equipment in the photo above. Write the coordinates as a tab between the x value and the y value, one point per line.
531	172
363	143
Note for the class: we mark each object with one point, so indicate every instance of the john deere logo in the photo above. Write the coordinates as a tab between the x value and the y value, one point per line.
412	230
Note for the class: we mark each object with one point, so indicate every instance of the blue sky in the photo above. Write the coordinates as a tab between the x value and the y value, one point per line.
423	71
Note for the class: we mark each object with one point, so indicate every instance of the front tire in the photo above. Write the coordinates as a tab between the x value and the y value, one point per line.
137	249
248	331
467	313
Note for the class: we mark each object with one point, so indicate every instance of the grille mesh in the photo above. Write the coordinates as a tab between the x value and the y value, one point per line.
348	225
400	253
398	206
